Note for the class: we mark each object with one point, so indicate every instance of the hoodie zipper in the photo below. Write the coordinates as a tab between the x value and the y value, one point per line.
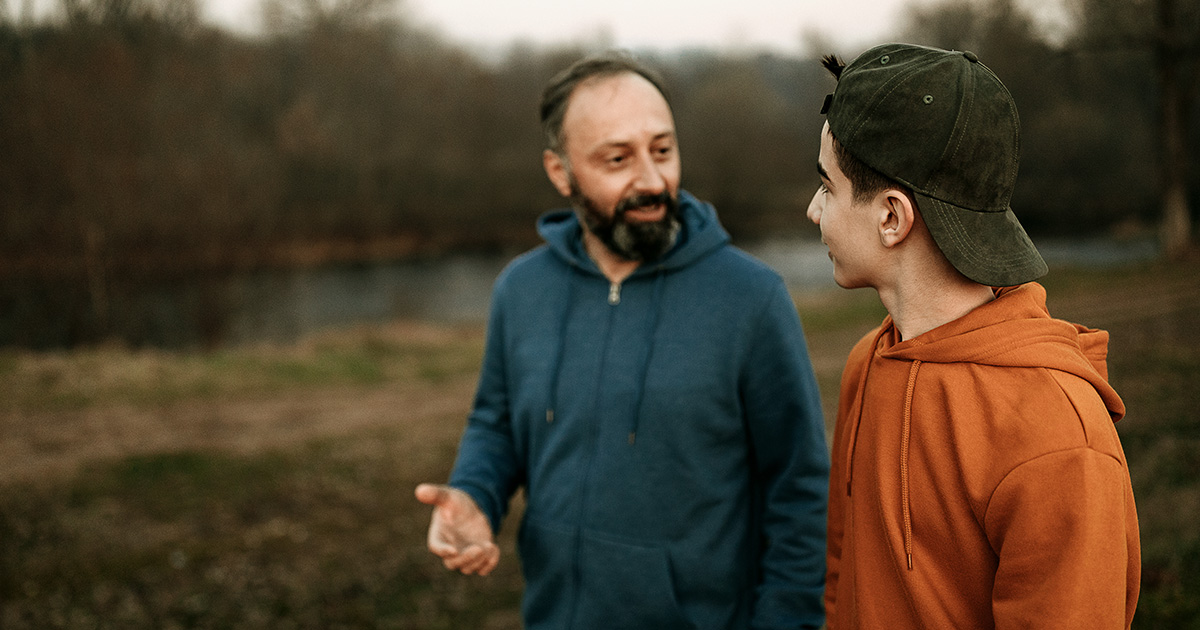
614	298
614	293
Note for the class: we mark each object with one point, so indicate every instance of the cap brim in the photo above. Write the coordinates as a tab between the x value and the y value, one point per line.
990	248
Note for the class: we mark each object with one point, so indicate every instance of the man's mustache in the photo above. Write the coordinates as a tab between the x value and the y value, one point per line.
641	201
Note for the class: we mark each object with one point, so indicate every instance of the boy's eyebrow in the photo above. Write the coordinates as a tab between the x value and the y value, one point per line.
821	171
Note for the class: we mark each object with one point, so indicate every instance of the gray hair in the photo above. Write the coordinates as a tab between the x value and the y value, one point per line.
558	92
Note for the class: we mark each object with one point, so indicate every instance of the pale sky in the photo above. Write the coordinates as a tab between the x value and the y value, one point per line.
785	26
742	24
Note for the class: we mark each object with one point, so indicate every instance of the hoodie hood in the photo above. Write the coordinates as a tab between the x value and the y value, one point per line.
701	234
1016	330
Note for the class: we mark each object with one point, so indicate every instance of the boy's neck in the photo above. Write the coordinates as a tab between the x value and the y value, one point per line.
921	301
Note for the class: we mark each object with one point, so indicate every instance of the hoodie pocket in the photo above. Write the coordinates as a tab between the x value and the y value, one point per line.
626	585
574	581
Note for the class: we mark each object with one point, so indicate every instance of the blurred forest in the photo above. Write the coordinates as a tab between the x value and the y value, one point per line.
137	141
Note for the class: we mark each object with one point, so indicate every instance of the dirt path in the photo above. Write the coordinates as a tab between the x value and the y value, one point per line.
51	444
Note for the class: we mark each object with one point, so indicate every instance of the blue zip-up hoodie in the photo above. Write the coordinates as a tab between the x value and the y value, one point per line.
667	431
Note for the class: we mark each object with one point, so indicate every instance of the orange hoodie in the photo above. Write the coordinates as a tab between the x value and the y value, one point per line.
978	480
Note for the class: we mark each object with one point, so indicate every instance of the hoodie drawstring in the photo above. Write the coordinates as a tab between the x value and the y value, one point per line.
652	332
906	431
556	367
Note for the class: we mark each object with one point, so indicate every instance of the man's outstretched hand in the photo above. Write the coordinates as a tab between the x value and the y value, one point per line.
459	533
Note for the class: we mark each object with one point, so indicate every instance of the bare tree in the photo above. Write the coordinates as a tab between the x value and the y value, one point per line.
1170	31
1176	63
171	13
284	16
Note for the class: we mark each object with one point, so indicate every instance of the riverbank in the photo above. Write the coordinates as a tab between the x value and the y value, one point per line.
270	485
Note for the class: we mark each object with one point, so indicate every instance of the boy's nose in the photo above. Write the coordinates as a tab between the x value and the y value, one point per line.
815	207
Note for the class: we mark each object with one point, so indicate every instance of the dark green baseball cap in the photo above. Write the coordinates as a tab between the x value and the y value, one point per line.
941	123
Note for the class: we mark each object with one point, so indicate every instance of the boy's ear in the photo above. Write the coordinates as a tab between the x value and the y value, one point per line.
897	215
556	170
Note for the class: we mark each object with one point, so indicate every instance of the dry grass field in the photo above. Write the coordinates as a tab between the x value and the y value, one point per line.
271	487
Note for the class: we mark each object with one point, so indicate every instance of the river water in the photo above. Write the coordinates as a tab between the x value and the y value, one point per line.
283	305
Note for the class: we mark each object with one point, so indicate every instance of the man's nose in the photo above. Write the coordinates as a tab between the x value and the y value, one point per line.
650	178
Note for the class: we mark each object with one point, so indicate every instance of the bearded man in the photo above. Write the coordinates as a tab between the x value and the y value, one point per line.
649	386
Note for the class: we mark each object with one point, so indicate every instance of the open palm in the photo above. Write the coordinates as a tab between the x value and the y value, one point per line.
459	533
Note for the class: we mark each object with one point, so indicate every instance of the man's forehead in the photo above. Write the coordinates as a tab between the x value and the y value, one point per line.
608	85
625	100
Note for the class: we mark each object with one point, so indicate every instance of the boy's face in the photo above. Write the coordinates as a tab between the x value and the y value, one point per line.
847	226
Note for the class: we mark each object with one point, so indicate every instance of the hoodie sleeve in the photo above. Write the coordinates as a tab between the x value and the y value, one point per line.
1064	528
1061	526
791	467
487	467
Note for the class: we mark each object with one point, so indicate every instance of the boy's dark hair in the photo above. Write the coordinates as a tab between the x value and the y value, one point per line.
558	92
865	181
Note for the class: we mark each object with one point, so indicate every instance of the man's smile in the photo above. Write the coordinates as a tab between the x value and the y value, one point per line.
646	214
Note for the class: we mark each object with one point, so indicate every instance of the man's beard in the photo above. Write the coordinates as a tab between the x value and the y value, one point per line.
632	240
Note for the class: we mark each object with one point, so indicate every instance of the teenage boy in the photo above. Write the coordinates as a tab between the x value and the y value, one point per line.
978	480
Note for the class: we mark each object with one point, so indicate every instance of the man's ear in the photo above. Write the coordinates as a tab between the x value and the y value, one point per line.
897	217
556	170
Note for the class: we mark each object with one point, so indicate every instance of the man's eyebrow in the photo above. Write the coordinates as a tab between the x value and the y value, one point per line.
658	137
821	171
625	144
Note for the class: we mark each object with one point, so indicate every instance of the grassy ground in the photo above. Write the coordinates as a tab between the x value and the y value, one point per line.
271	487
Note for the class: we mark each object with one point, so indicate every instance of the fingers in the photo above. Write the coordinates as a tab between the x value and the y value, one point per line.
491	559
432	494
476	559
479	558
464	561
484	565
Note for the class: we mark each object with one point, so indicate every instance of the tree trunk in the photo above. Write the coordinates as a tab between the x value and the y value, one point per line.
1175	231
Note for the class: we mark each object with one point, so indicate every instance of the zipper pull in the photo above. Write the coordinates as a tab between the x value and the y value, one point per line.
614	294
